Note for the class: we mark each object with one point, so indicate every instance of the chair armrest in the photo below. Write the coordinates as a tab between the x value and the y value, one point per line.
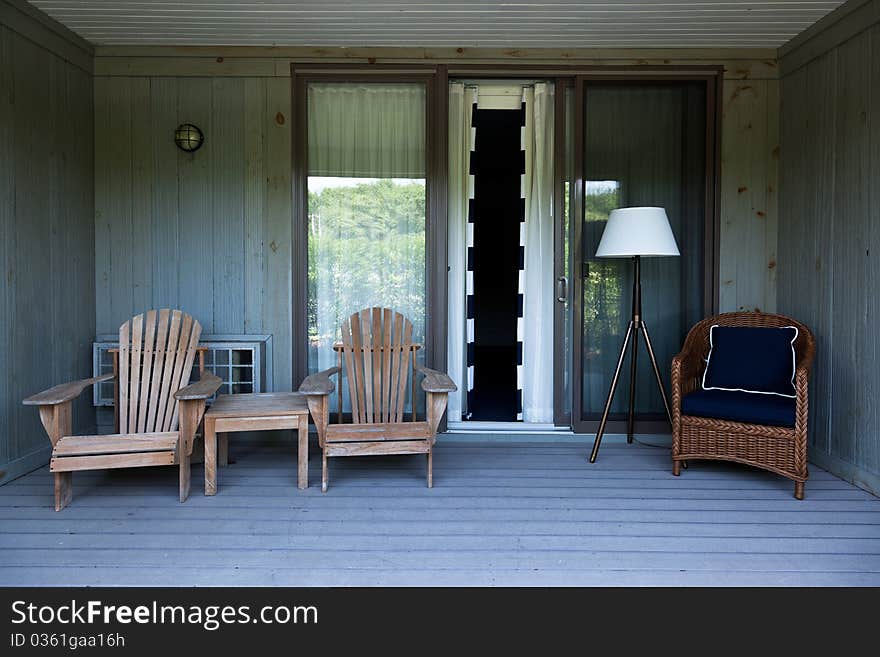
689	363
201	389
64	392
804	360
435	381
686	367
319	383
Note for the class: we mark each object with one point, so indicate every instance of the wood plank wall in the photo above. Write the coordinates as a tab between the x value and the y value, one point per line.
47	299
829	230
210	232
749	195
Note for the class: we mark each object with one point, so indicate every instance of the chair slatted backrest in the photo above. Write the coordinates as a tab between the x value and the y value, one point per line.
377	353
156	354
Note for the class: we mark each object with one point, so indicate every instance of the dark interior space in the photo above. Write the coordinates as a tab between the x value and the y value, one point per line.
497	165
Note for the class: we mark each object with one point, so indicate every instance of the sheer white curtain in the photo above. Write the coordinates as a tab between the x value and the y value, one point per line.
461	100
367	130
538	298
366	206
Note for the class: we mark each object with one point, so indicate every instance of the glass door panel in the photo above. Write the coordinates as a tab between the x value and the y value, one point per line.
366	207
644	144
565	199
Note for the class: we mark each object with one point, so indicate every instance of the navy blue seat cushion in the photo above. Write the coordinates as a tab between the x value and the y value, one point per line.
749	407
751	359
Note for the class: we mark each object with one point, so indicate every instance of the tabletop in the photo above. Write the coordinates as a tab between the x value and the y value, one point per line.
260	403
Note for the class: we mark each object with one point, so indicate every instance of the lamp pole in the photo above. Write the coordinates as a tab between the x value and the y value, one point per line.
635	326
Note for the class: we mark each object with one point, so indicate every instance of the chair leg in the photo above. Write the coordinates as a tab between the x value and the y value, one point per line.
324	472
799	490
184	475
63	489
676	468
431	468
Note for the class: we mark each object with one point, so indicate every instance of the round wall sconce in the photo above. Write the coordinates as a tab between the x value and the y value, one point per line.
188	137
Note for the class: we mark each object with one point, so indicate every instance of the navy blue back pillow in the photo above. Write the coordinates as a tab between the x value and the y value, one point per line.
751	359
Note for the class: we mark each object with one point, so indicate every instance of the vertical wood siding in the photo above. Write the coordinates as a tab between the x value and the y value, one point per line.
208	232
749	170
829	240
47	307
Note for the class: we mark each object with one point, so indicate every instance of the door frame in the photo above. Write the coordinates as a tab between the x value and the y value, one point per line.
713	77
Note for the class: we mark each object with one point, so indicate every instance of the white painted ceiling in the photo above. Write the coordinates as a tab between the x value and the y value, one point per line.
441	23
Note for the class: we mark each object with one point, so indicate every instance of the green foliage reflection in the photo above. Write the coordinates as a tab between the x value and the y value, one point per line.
603	284
366	248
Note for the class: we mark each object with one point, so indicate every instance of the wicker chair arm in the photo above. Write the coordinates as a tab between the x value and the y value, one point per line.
690	363
686	367
802	399
804	360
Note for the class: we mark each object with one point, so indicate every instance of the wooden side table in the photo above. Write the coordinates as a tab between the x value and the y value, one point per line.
256	412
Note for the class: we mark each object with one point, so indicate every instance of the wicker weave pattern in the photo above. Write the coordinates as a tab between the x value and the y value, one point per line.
779	449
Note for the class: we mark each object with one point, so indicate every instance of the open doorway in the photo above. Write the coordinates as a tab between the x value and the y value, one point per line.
501	250
496	260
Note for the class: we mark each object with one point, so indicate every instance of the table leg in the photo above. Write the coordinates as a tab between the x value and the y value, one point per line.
303	454
210	457
223	450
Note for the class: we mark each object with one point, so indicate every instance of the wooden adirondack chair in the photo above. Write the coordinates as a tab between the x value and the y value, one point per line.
377	351
157	411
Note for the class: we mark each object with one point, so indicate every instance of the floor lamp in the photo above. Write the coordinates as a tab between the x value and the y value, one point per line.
634	233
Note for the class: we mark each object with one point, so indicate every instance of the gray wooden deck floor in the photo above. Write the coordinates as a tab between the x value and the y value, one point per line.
517	514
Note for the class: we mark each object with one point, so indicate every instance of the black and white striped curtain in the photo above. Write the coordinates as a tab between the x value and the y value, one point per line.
521	266
469	281
520	327
534	354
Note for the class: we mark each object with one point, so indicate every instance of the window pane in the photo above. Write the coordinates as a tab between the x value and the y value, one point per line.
644	145
366	207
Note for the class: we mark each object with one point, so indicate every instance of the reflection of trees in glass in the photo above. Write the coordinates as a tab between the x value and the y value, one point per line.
603	285
600	204
366	248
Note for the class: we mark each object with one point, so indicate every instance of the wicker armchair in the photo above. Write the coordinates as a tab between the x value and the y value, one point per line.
782	450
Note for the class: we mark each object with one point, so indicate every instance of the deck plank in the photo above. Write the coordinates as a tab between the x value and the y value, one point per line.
518	514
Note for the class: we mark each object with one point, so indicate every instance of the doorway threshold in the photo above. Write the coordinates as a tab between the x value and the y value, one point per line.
527	432
476	426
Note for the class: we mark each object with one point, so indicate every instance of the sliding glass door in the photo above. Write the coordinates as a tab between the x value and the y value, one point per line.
642	143
366	207
365	204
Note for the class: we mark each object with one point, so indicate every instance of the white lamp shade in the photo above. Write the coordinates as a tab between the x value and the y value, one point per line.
637	232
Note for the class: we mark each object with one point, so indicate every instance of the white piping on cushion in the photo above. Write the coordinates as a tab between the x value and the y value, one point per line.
757	392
